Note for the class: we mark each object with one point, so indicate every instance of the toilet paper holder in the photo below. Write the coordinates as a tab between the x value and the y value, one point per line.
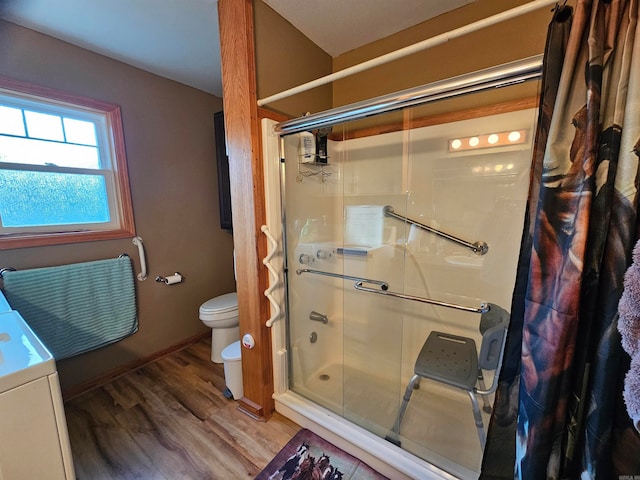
170	279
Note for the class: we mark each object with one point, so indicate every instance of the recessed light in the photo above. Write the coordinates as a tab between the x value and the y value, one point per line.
489	140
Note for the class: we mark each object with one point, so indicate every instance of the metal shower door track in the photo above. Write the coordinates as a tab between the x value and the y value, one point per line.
499	76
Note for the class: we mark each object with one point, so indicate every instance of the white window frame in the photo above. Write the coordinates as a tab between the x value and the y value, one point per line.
113	165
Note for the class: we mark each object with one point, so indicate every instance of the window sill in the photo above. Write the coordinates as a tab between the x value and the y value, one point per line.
23	241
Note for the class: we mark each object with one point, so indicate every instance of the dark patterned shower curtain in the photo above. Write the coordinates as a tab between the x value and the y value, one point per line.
559	411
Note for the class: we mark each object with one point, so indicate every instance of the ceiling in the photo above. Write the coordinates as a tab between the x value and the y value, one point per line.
179	39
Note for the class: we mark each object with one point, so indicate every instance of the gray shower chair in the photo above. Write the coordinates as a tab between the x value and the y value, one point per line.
454	361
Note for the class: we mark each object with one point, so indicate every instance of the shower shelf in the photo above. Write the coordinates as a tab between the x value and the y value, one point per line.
313	169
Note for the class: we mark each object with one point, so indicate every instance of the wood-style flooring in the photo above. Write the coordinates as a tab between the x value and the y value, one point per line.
169	420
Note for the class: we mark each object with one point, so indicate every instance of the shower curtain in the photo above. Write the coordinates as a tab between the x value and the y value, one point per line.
559	411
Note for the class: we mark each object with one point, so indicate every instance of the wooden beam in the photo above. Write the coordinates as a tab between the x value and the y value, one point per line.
247	199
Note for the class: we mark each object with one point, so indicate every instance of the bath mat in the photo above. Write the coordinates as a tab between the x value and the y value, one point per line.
309	456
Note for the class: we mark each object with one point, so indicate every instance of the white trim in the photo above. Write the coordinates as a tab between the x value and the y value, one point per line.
271	159
376	452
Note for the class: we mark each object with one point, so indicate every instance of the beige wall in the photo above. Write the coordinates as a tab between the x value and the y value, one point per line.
511	40
170	146
286	58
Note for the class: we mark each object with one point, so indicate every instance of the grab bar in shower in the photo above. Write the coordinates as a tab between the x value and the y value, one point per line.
479	248
483	308
381	284
384	287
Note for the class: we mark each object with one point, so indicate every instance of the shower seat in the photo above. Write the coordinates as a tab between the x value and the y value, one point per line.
453	360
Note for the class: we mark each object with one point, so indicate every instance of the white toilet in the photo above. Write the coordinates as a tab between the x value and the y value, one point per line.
221	315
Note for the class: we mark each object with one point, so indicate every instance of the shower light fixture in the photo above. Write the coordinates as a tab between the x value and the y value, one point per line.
499	139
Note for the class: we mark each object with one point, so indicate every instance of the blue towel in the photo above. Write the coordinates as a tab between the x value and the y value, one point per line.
76	308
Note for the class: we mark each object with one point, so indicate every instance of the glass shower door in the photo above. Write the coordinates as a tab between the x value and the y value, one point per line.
374	175
343	343
357	277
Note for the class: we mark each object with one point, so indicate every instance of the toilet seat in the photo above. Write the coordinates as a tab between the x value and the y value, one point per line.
220	308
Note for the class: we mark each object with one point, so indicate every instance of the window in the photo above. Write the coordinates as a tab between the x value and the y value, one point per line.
63	171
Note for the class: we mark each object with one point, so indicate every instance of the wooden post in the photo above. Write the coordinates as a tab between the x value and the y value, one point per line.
247	199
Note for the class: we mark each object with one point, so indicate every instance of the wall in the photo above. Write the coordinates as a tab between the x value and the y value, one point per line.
169	137
507	41
286	58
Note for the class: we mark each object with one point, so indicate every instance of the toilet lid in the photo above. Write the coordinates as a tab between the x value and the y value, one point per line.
221	304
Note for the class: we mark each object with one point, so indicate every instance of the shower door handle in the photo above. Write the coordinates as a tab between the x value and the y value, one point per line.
482	308
380	283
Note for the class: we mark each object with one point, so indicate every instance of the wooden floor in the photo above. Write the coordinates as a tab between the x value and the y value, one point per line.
169	420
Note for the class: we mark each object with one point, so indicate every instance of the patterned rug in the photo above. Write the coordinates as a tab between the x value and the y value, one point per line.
308	456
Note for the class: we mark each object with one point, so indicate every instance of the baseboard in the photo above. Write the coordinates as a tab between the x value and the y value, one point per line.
84	387
252	409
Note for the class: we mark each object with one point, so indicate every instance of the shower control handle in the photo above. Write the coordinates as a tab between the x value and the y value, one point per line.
323	254
318	317
306	259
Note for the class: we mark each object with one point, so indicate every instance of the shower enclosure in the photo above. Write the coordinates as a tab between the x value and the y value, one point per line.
403	227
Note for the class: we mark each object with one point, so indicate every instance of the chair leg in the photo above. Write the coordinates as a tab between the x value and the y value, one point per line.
395	431
478	418
486	405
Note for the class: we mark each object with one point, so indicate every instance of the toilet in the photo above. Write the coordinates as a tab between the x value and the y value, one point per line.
221	315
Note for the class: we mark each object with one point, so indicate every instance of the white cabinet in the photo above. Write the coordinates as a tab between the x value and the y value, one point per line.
34	442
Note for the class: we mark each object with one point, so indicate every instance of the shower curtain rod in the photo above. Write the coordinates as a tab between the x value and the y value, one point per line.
411	49
493	77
